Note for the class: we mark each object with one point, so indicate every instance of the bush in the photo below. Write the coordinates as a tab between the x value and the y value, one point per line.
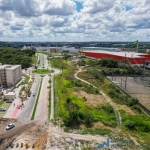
130	125
109	63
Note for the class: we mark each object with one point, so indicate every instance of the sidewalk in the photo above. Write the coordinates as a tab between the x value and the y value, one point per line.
16	106
13	109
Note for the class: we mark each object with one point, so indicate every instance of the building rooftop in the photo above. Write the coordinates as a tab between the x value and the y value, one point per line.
4	66
12	67
122	54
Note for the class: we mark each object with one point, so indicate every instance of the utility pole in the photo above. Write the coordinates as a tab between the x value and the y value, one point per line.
137	47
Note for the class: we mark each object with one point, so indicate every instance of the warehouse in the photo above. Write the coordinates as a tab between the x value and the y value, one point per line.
128	57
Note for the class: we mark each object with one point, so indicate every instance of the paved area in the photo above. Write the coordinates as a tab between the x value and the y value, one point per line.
23	113
42	107
136	88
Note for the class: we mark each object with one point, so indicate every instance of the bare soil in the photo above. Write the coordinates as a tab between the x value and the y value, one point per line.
91	99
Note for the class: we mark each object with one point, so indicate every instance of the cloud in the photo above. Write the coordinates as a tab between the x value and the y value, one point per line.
16	28
59	20
96	6
60	7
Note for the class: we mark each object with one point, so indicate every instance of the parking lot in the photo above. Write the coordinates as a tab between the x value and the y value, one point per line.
135	87
6	105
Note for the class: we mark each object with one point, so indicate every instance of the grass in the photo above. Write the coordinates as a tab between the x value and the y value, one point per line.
49	105
85	113
37	98
34	59
27	80
56	101
1	104
42	71
22	89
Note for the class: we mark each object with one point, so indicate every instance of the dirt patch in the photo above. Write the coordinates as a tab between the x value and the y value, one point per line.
127	109
25	136
101	125
91	98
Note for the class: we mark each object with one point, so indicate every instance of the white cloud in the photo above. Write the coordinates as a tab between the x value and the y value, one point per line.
58	20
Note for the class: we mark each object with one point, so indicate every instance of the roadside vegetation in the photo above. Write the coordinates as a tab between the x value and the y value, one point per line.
37	99
75	113
13	57
27	80
137	125
42	71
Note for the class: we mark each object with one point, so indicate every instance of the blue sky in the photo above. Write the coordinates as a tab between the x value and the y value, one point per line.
79	6
128	8
74	20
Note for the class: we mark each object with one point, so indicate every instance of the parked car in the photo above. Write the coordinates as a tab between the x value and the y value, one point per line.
9	101
48	87
11	125
2	109
29	94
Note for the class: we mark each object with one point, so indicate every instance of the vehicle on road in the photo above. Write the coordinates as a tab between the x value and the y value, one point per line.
48	87
2	109
33	94
29	94
11	125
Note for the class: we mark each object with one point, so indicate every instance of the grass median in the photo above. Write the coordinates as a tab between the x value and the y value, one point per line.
37	99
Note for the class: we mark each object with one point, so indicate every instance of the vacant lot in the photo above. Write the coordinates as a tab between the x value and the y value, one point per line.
136	88
91	98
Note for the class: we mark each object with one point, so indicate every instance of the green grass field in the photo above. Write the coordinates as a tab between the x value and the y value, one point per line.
42	71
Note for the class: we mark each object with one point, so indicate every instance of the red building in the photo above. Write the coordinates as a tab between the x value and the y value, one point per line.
130	57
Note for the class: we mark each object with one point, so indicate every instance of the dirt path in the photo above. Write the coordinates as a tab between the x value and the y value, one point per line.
118	116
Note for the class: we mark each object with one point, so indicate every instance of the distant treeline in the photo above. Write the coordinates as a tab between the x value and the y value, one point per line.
16	57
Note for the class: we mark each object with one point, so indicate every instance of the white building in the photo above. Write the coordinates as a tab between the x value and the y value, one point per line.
10	95
67	49
9	75
100	49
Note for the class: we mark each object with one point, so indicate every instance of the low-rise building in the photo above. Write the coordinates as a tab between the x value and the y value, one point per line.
10	95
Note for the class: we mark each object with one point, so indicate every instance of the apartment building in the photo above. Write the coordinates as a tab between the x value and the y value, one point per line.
9	75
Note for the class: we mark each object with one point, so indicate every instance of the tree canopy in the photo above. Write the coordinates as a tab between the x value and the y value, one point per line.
16	57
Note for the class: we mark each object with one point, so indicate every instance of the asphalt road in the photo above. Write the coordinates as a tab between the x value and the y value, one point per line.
42	107
43	60
26	111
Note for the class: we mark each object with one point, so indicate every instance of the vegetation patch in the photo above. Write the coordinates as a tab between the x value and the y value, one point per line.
2	103
27	80
34	59
13	56
73	109
42	71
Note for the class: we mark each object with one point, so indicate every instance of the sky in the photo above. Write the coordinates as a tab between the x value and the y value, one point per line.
74	20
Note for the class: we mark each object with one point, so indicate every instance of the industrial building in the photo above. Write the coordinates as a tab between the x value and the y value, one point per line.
114	53
68	49
9	75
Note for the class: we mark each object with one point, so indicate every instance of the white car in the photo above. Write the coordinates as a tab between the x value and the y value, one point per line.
2	109
11	125
33	94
